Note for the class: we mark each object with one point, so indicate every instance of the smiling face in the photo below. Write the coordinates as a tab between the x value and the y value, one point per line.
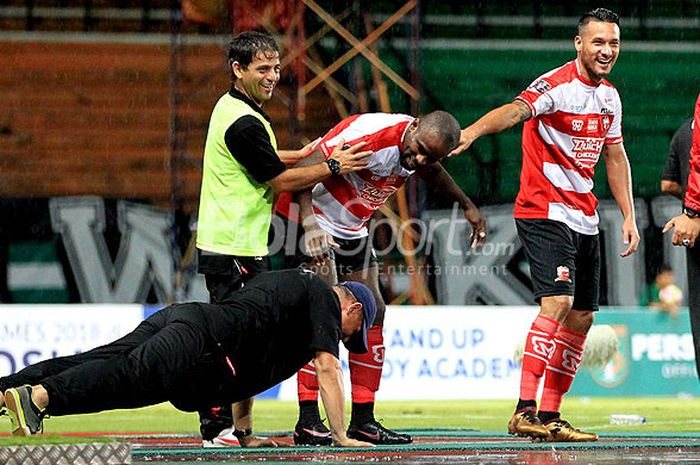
421	147
258	79
597	48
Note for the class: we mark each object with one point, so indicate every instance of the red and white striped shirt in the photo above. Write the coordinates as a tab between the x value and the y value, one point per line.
692	192
572	119
344	205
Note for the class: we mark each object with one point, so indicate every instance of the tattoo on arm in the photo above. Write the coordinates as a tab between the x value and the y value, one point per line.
524	112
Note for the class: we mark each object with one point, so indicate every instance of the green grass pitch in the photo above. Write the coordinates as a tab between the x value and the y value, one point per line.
672	415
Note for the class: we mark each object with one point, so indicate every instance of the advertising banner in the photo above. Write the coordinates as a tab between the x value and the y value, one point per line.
431	352
656	357
32	333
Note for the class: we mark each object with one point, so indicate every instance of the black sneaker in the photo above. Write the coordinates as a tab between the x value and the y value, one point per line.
312	434
26	418
372	431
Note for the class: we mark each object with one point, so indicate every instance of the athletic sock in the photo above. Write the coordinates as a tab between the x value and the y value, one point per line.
545	417
366	369
361	413
562	368
539	348
307	383
525	405
308	412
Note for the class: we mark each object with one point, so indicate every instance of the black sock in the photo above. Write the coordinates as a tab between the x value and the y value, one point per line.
308	411
362	413
546	417
525	404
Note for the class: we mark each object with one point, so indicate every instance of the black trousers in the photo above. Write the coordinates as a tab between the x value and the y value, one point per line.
168	357
693	260
224	276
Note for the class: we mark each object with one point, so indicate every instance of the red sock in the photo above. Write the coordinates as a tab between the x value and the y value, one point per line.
366	369
562	368
539	348
307	383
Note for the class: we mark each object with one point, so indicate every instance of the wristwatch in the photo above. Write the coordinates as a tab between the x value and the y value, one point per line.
334	166
690	213
242	433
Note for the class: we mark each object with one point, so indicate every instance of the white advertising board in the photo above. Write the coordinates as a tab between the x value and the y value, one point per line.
31	333
447	352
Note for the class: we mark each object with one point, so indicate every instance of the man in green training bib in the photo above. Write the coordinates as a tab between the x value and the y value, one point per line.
242	171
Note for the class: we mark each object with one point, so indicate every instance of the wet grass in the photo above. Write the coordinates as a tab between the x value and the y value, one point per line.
664	415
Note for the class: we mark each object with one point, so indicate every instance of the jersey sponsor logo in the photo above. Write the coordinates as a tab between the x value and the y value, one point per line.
541	86
375	196
570	360
592	125
542	346
563	274
577	125
606	111
586	150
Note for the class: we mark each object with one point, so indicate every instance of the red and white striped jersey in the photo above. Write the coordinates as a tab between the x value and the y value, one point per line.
692	192
343	205
572	119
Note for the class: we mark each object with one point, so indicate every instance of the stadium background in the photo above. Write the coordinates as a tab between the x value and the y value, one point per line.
106	102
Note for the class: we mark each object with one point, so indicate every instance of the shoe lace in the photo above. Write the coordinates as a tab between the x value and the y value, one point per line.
531	416
41	416
565	424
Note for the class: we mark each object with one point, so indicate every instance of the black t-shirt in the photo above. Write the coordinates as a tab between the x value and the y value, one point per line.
677	164
274	326
250	145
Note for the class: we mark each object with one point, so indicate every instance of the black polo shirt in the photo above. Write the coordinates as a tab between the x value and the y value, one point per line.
677	164
274	326
250	145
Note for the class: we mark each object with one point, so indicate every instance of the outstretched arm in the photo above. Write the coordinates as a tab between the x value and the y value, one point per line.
304	177
620	180
317	242
495	121
330	384
243	421
439	180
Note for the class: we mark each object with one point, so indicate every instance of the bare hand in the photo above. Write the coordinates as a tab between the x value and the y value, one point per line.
348	442
318	244
465	140
686	230
308	148
253	442
630	236
350	158
478	222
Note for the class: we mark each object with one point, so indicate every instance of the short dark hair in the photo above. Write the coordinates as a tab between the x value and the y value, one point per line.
598	14
246	45
444	124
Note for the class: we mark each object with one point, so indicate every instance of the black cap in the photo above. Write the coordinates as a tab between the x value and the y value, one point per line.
358	342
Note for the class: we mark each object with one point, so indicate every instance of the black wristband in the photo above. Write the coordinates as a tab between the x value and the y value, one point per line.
242	433
690	213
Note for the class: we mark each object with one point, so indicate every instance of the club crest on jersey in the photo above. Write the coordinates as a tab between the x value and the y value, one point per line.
577	125
563	274
606	123
541	86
